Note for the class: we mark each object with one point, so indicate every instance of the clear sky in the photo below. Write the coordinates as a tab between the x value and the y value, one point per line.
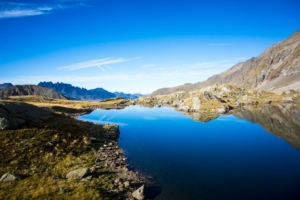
135	45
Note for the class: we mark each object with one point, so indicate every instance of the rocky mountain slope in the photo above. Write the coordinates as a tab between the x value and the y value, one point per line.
277	68
77	93
5	85
23	90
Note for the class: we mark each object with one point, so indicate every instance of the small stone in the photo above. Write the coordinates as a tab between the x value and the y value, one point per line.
4	123
61	191
126	184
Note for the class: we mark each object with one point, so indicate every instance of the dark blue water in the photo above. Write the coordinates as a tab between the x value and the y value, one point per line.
225	159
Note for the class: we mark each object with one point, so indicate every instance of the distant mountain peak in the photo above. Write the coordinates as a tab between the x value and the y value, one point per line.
78	93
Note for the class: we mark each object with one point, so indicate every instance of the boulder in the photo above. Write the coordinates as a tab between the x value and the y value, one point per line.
126	184
113	132
196	103
4	123
139	193
78	173
10	177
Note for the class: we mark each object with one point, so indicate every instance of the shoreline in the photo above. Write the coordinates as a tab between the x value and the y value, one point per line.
70	145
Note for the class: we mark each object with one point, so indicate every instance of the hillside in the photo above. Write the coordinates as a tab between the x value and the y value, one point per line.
277	68
24	90
77	93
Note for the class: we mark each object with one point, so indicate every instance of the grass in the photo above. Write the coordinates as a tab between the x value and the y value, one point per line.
43	153
46	102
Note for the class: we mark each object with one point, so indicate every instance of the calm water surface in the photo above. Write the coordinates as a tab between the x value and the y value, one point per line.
226	158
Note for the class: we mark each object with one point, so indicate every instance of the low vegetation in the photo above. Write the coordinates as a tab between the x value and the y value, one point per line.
43	153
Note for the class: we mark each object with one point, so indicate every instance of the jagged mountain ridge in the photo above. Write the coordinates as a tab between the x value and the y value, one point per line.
77	93
277	68
5	85
23	90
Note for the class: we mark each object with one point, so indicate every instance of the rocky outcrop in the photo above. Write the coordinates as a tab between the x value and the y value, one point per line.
220	99
25	90
277	68
13	115
112	131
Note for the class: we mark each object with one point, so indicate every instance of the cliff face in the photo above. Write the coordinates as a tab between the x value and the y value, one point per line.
277	68
23	90
280	121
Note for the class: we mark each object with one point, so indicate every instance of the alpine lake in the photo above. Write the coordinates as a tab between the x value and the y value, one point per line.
253	154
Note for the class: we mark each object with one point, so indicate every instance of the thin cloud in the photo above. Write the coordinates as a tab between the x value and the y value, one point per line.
219	63
109	67
93	63
148	65
14	10
222	44
101	68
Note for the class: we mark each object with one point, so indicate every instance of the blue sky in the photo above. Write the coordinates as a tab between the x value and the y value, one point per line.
135	45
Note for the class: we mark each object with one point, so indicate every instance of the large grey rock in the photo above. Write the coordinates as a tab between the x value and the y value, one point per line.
139	193
78	173
113	132
15	114
10	177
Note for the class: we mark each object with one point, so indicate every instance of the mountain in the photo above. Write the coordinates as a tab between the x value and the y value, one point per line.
21	90
77	93
5	85
127	95
277	68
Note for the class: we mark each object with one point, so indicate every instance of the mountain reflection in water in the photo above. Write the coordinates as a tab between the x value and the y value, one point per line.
281	121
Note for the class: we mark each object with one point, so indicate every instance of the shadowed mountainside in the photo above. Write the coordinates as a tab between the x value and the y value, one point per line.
277	68
24	90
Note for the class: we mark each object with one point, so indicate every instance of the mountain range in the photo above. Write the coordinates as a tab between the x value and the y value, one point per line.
77	93
23	90
276	69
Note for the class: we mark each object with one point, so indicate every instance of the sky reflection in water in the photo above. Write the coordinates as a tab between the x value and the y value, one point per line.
227	158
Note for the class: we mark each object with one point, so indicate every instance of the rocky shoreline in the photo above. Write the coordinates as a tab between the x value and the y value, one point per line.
101	165
219	99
